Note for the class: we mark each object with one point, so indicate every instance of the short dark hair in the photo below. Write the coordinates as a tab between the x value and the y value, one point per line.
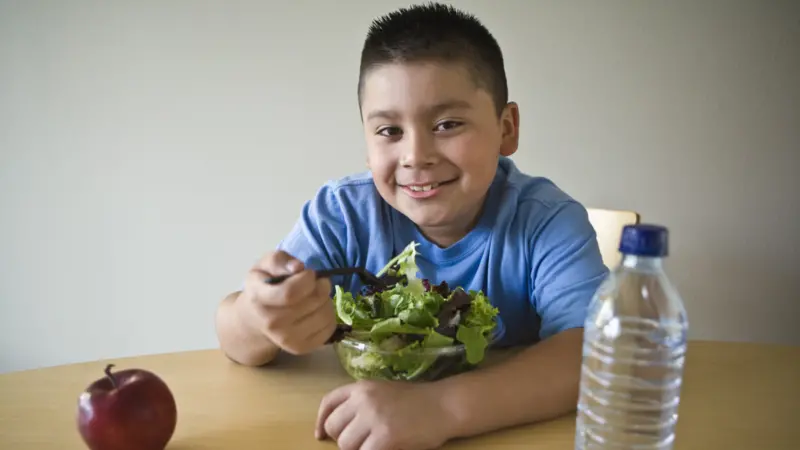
436	32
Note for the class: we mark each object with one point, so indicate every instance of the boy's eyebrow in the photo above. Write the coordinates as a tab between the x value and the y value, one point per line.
448	105
435	109
381	114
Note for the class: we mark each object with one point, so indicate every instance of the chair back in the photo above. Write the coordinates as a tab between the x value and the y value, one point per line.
608	224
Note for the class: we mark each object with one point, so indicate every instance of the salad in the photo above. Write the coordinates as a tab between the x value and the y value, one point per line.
411	330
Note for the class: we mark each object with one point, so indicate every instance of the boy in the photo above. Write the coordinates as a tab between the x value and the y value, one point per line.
439	130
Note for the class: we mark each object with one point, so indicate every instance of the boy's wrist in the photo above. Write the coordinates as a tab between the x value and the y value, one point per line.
452	396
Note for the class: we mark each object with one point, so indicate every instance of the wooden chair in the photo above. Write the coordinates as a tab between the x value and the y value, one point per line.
608	224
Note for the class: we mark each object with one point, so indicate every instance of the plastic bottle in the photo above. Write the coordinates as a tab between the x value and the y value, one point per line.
633	352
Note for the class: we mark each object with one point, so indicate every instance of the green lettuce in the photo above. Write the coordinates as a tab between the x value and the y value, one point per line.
392	325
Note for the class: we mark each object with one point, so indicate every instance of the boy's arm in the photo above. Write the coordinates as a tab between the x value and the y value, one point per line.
541	382
318	239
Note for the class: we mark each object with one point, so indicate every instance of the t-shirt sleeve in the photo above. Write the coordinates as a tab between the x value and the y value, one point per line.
567	269
319	236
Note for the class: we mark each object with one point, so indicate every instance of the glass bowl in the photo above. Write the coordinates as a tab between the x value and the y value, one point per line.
363	360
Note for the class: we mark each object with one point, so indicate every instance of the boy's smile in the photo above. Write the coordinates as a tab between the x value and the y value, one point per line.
433	139
425	189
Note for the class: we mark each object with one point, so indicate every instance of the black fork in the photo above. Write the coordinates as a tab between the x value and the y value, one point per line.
366	276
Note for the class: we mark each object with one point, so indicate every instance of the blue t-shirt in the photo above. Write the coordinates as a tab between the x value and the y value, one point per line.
533	252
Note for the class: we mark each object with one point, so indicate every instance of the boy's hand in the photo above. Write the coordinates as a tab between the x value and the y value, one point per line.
297	314
384	416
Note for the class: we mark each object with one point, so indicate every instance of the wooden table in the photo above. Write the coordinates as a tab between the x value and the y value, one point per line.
736	396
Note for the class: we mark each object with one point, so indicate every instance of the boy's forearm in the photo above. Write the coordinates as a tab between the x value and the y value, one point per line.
537	384
238	341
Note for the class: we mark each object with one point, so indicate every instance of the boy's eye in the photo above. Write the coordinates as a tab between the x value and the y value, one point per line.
390	131
447	125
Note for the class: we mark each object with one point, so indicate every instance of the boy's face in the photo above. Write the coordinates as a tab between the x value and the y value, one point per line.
433	139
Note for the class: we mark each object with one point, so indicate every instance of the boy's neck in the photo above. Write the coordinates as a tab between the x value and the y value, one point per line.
446	235
443	237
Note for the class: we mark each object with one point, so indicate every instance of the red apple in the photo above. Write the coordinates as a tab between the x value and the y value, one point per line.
129	409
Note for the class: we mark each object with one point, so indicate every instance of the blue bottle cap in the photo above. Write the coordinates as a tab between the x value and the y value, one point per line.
645	240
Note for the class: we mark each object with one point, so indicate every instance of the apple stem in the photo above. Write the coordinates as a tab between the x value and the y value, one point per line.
110	377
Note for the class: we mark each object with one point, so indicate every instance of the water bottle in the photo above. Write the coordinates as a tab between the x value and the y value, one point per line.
633	351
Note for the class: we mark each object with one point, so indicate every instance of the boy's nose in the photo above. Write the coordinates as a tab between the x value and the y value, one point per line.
419	151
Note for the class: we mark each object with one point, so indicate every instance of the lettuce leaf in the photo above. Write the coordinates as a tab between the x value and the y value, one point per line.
410	315
474	341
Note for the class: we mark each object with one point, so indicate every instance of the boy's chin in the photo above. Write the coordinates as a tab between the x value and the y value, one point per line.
430	219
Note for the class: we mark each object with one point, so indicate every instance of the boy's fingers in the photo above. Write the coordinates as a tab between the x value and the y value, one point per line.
329	403
310	307
323	289
374	442
338	420
297	312
298	287
309	319
279	263
285	293
354	434
321	324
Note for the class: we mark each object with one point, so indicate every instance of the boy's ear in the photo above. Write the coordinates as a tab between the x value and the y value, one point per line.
509	122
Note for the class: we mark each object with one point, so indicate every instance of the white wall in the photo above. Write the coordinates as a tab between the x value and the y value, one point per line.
150	151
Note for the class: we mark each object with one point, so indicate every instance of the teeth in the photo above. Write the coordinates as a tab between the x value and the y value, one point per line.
425	188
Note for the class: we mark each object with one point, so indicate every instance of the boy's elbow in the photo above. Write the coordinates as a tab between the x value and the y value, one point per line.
250	359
